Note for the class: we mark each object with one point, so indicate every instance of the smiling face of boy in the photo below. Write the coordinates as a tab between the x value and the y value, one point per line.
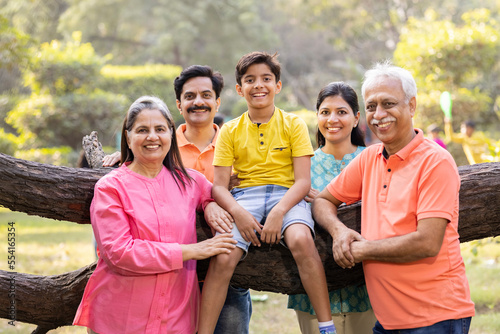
259	87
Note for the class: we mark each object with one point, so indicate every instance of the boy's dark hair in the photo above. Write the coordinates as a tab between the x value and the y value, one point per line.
470	124
195	71
349	95
258	57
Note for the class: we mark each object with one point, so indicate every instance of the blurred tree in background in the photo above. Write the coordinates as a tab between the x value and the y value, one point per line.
139	48
462	59
64	104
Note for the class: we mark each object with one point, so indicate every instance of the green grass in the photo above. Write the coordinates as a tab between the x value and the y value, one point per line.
48	247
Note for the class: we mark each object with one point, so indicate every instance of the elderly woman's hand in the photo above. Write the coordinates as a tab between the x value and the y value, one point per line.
222	243
218	219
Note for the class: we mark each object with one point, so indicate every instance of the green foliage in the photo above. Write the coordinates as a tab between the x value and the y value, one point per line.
14	46
56	120
170	32
461	58
135	81
14	55
494	151
8	142
7	103
59	68
38	18
65	104
59	156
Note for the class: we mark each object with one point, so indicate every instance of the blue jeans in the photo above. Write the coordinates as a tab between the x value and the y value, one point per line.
459	326
236	313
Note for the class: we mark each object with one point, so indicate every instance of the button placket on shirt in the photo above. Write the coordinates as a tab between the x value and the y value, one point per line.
261	138
160	292
389	171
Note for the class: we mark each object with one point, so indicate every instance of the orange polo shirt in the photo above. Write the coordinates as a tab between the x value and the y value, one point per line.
420	181
191	155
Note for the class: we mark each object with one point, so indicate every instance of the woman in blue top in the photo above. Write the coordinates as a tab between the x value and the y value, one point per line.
339	141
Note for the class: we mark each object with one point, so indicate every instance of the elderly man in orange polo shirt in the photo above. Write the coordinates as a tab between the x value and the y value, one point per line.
409	243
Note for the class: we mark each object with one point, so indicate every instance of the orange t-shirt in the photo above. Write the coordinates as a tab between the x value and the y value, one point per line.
420	181
193	158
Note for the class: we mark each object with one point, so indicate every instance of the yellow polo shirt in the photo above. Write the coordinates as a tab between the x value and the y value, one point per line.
262	153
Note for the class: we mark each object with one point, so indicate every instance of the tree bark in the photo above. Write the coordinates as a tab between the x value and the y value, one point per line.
51	301
93	150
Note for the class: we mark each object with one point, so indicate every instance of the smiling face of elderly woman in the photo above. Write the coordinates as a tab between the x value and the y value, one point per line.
150	137
148	132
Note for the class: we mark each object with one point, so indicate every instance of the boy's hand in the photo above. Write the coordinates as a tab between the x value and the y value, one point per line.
217	218
112	159
248	226
271	233
234	181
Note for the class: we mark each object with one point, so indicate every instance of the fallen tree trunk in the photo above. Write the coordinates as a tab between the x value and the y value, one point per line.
64	193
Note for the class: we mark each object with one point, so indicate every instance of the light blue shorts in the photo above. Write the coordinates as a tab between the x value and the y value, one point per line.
260	200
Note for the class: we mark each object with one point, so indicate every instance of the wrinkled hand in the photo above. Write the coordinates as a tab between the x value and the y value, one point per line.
218	219
234	181
112	159
222	243
341	247
311	195
248	226
271	233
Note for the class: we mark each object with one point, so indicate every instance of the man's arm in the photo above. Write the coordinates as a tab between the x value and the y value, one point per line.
324	210
271	233
451	136
244	220
425	242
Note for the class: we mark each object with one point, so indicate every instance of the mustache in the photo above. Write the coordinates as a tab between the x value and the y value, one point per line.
193	108
383	120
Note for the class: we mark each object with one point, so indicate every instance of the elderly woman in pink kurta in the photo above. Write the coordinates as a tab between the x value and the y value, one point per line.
144	219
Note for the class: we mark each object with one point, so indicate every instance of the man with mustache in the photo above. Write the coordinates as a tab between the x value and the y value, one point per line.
409	243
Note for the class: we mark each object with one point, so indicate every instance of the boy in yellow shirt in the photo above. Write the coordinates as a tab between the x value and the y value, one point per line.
270	150
475	144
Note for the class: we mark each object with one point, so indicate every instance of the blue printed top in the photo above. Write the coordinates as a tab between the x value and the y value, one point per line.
354	298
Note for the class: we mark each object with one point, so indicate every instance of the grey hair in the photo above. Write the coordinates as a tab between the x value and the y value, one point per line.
387	69
147	102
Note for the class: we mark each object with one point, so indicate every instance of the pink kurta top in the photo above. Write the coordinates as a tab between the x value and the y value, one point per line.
141	284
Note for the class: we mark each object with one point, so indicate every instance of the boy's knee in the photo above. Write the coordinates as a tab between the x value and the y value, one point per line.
226	262
299	239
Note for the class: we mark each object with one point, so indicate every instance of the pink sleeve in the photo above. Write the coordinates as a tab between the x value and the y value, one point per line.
121	252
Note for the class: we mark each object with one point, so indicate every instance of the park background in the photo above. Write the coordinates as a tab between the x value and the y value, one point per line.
68	67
